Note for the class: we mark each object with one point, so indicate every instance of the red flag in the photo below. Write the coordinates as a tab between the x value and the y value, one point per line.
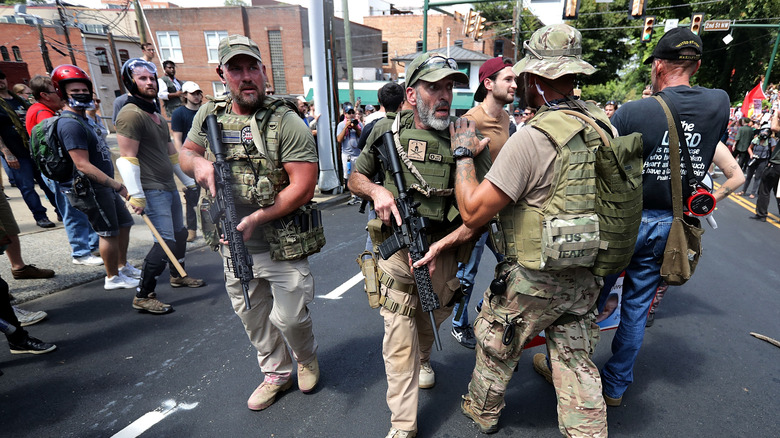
756	93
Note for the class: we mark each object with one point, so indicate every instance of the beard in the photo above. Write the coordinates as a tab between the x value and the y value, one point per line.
427	114
250	103
149	93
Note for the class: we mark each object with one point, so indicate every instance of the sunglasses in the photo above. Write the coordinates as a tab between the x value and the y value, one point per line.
432	63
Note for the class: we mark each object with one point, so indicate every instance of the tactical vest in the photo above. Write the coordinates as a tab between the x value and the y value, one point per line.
431	156
255	165
592	215
252	150
171	104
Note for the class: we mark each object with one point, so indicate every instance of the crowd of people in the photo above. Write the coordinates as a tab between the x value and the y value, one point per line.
530	165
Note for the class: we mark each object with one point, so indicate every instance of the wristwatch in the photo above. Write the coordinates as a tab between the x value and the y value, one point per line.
462	152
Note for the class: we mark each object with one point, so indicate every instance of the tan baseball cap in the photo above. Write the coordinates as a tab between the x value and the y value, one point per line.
237	45
433	67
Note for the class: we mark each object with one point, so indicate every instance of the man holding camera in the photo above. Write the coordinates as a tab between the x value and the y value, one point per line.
704	115
349	131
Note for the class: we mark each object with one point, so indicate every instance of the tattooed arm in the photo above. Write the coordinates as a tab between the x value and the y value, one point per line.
477	202
726	162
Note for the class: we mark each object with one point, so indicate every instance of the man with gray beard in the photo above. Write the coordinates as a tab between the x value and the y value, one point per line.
424	135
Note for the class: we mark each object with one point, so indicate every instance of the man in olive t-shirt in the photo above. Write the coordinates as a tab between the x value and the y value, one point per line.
147	164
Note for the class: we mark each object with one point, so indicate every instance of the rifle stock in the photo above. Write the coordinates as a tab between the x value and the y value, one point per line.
413	232
223	211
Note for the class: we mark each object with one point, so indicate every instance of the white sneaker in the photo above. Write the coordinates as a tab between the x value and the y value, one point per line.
120	281
88	260
130	271
27	317
427	376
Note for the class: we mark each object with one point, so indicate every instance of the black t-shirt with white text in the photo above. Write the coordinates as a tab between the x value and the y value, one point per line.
704	114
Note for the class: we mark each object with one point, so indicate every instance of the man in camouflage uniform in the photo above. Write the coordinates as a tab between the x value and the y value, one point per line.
423	133
523	182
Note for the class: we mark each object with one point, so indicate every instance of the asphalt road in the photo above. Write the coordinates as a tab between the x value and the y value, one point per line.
118	372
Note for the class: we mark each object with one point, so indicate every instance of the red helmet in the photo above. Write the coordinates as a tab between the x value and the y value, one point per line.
66	73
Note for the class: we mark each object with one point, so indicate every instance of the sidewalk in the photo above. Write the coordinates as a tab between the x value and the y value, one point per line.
49	247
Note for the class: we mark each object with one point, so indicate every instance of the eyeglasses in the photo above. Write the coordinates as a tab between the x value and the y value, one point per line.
432	63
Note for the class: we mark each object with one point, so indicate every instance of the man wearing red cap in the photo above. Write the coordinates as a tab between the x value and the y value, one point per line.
496	89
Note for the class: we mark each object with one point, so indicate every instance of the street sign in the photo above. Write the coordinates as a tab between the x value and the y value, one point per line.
670	23
717	25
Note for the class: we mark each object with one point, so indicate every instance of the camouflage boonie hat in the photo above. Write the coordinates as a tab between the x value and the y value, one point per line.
554	51
237	45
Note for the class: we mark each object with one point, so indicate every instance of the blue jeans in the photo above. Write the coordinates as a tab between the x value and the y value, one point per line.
643	276
83	239
24	178
163	207
466	274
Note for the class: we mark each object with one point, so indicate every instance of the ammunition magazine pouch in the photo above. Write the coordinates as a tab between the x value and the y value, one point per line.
368	267
378	232
297	235
207	227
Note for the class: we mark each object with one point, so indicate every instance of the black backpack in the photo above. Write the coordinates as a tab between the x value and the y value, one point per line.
50	155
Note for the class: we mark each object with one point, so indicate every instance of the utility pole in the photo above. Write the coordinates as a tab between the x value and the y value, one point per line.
117	67
67	34
348	49
44	50
139	20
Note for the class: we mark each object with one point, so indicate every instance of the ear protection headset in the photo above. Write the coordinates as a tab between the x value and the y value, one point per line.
220	72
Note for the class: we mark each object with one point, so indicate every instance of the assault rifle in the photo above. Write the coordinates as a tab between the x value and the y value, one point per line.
223	210
413	232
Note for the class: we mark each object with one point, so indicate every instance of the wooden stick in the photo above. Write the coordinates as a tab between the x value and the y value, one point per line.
774	342
172	258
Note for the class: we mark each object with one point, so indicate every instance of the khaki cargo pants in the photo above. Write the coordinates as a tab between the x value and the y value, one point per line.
408	341
279	294
533	301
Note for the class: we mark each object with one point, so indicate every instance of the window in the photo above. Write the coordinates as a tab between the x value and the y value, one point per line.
124	55
102	59
419	46
465	68
17	53
4	53
212	42
385	60
219	88
170	47
277	61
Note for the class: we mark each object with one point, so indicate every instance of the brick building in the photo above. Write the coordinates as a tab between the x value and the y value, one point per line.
190	36
402	34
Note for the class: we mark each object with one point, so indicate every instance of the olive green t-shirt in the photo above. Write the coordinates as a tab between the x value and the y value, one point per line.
295	142
156	168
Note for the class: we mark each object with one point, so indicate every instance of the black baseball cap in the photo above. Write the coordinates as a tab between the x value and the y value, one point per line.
677	39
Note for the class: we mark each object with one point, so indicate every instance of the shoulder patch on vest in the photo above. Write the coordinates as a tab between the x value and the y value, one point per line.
417	150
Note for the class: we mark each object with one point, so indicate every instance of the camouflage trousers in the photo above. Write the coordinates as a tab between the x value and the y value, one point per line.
408	341
533	302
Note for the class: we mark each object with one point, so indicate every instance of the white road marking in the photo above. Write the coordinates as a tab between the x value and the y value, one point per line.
336	293
149	419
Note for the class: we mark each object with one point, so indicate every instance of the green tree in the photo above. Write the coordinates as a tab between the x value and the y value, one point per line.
235	3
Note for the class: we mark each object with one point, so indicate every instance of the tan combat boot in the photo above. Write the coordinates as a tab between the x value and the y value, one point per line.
265	395
398	433
540	366
308	376
484	425
427	376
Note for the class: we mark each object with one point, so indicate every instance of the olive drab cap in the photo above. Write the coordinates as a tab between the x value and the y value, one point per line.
237	45
554	51
433	67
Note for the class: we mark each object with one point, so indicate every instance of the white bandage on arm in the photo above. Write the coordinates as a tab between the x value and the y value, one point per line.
183	177
130	170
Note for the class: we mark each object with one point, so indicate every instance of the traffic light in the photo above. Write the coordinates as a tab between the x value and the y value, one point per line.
637	8
480	27
470	25
696	20
570	9
647	29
